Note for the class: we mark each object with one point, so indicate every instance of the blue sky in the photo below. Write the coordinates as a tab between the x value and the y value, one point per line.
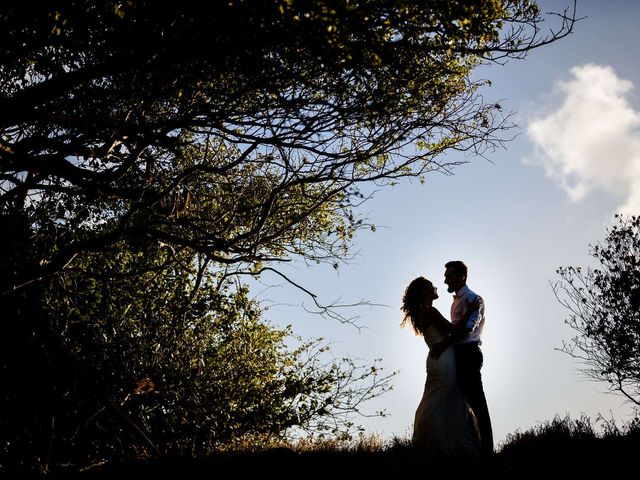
535	206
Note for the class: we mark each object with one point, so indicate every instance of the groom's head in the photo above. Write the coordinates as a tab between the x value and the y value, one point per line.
455	275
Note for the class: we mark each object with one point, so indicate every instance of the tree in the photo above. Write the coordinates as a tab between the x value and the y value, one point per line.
238	133
242	130
171	361
605	309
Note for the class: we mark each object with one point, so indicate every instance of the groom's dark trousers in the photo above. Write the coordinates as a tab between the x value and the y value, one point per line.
468	364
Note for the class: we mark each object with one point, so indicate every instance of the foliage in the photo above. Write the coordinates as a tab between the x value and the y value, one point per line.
241	129
169	361
574	443
605	309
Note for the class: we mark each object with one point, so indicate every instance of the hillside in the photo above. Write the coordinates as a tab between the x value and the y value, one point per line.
561	446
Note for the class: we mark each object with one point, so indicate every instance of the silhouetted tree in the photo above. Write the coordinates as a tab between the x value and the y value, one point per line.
605	309
239	129
141	351
233	134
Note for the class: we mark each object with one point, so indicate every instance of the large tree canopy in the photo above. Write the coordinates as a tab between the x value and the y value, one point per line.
149	151
237	129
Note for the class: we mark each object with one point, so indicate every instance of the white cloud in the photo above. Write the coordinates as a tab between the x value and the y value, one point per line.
590	140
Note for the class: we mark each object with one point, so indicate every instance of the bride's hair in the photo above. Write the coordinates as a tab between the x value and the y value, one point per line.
412	300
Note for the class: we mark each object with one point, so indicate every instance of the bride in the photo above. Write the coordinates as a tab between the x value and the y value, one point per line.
443	419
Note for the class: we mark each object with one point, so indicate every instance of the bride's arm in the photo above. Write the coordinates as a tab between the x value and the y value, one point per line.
433	316
455	332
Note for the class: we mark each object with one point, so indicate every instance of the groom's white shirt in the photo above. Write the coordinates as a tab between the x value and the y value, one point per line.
476	320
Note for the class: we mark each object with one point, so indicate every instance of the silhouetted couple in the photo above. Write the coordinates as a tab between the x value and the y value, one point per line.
452	415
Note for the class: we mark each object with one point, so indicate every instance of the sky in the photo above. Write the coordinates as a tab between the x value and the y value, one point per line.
513	218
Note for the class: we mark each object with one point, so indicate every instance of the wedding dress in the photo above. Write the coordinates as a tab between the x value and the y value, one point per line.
443	419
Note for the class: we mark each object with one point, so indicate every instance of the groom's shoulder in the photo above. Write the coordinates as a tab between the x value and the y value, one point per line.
471	295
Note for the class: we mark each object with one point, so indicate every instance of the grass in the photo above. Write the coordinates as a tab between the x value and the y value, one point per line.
560	446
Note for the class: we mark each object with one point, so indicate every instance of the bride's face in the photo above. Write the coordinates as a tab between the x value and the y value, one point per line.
431	293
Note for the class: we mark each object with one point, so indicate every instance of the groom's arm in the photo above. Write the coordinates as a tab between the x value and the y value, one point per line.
460	330
468	323
473	318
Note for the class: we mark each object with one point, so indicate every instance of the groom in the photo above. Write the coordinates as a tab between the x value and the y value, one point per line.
466	342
